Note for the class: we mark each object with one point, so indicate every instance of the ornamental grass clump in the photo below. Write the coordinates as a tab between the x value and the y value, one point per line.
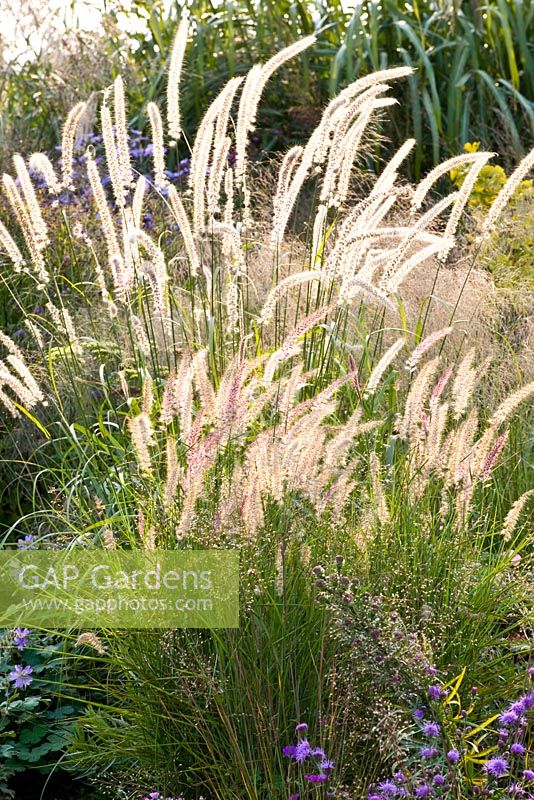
160	393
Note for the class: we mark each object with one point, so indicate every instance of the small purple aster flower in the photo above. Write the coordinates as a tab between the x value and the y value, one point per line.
438	780
419	713
302	751
21	676
423	790
531	672
509	718
517	749
434	692
453	755
318	752
528	774
430	670
431	729
387	788
400	777
326	765
294	796
289	750
429	752
20	638
317	778
496	767
26	543
301	727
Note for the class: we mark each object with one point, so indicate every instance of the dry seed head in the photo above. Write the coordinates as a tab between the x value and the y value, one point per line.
513	515
141	434
68	141
507	191
158	149
173	80
444	168
39	162
185	229
91	640
386	360
123	151
424	346
112	159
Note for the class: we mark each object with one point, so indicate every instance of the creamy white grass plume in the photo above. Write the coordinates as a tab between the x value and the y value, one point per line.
291	345
35	332
464	383
158	148
11	248
64	324
507	191
121	131
38	224
228	216
137	201
282	288
102	207
185	229
199	167
18	364
251	95
409	425
380	503
353	287
10	345
396	264
389	175
203	384
174	471
392	284
141	433
387	359
464	194
91	640
424	186
173	79
68	141
147	401
512	518
22	215
141	339
112	159
424	346
39	162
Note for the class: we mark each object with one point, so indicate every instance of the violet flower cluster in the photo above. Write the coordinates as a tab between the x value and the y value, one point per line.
438	769
317	766
20	675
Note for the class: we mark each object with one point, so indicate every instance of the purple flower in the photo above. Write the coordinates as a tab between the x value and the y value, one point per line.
438	780
316	778
301	727
496	767
289	750
423	790
26	543
431	729
326	765
419	713
517	749
531	672
528	774
20	638
509	718
434	692
429	752
318	752
302	751
294	796
388	788
453	755
21	676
